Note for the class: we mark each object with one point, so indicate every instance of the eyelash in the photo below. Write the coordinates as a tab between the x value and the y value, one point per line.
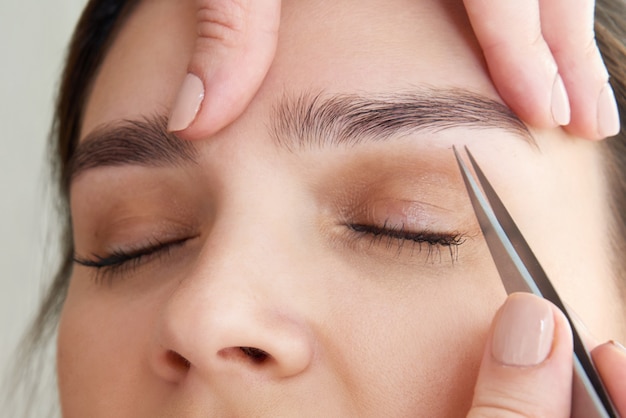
120	262
398	236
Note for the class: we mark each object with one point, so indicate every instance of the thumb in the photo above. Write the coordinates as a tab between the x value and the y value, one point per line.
235	47
527	364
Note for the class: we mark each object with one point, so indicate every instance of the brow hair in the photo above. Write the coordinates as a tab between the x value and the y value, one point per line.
142	142
306	121
318	120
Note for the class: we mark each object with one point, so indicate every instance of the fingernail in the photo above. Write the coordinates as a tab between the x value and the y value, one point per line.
524	331
608	115
560	102
187	103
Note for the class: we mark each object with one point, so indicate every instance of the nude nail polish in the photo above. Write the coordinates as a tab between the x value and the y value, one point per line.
187	103
560	102
608	115
524	331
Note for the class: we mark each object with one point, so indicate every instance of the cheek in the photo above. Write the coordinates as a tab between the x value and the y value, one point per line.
100	342
415	348
558	200
397	340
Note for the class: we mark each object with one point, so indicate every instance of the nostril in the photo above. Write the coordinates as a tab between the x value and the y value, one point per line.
178	361
255	354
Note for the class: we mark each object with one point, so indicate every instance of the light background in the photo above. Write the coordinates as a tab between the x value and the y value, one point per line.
33	39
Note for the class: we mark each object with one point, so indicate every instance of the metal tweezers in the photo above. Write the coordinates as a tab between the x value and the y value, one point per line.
520	271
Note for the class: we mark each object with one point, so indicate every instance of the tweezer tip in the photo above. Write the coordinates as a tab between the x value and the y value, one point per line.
456	152
459	159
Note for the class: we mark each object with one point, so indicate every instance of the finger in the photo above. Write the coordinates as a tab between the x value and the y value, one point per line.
519	60
235	47
527	364
568	28
610	361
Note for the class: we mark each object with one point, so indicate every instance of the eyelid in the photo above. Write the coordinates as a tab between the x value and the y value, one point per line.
131	231
130	238
122	262
411	215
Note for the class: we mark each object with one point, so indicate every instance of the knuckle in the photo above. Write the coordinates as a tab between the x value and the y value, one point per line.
584	60
591	53
222	21
521	42
537	40
576	46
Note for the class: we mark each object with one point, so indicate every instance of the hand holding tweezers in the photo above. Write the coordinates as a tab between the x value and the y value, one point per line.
520	271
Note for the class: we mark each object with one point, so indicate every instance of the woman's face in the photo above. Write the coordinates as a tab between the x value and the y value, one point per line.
318	257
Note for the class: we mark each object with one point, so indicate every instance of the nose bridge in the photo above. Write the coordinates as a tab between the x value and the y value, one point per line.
235	312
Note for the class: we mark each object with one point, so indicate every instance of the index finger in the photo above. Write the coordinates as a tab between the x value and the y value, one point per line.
235	47
519	59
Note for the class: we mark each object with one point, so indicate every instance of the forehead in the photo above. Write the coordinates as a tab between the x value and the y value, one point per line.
345	46
144	65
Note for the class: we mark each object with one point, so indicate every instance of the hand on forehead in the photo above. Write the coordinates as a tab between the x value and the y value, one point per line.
541	54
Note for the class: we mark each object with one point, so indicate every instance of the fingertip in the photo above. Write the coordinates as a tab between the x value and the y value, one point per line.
538	97
523	332
560	107
595	116
610	361
612	350
595	120
233	52
608	113
527	364
187	104
221	102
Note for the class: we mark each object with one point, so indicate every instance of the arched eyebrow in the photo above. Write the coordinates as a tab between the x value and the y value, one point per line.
306	121
318	120
144	142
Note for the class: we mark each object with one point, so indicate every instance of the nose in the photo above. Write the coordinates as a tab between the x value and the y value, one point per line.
233	319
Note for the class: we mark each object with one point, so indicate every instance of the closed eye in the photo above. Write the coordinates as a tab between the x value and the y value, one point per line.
125	261
399	237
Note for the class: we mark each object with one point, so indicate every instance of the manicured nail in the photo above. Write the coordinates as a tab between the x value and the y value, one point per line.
187	103
560	102
524	332
608	115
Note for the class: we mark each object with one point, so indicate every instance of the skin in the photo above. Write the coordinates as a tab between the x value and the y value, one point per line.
353	325
542	57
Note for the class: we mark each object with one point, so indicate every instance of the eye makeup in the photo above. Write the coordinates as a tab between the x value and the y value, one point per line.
404	228
127	221
123	262
402	239
388	211
408	209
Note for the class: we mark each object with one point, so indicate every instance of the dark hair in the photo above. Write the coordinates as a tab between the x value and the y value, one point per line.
94	33
92	38
610	30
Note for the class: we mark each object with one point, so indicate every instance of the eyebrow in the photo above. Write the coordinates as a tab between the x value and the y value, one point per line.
144	142
308	120
318	121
